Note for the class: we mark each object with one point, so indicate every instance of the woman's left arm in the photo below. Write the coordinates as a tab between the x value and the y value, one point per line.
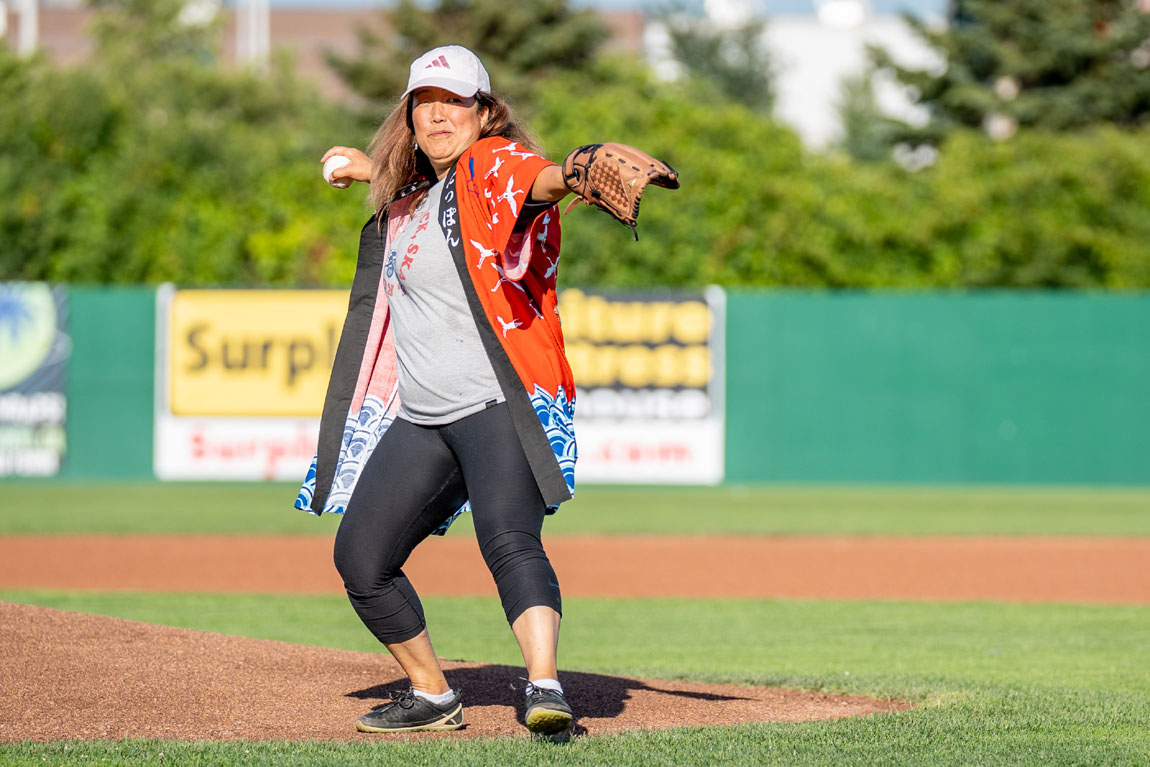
549	186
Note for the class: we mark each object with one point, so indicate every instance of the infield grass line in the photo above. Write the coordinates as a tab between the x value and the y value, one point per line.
266	508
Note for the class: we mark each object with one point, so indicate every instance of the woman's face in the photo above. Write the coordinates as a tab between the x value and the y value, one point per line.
445	125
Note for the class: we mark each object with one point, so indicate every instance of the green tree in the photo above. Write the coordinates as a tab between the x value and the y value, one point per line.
869	134
149	163
178	171
520	43
756	209
1052	64
147	31
722	62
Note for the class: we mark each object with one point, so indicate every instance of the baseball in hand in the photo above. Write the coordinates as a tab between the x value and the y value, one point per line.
333	163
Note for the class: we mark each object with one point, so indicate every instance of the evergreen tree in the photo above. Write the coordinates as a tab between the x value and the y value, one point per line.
151	30
520	43
729	62
868	133
1052	64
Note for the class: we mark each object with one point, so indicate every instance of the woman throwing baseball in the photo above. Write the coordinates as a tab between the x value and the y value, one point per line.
450	387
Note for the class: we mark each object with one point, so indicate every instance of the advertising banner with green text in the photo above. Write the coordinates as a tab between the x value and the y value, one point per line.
34	352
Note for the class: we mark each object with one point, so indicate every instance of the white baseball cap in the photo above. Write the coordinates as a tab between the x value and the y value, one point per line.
451	67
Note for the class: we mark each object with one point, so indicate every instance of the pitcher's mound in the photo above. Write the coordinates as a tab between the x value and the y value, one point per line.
70	676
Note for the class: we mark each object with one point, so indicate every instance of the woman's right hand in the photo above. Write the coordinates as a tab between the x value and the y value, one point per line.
359	169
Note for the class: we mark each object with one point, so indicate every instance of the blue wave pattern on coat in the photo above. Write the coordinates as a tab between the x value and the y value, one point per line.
557	415
307	492
361	433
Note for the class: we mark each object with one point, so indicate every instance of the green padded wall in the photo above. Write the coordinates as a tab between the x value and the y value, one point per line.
821	387
949	388
110	382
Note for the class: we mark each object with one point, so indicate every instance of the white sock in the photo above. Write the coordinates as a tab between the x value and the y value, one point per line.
546	684
438	700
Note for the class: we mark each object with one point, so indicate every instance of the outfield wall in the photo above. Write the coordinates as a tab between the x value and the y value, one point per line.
831	387
111	382
938	388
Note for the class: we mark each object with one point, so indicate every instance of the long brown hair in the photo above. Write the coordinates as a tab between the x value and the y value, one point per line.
397	162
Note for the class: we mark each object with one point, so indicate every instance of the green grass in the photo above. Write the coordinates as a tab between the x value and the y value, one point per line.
148	507
995	683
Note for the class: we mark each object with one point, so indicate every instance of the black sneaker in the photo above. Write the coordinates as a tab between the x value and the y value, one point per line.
547	711
408	712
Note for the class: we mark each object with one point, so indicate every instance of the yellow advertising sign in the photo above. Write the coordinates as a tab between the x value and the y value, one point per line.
252	352
636	340
634	317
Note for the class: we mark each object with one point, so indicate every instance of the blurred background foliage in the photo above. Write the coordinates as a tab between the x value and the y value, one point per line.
153	163
729	62
150	163
520	43
1057	65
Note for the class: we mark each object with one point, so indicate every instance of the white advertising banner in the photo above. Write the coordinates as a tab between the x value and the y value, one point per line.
650	452
648	370
234	448
240	380
241	375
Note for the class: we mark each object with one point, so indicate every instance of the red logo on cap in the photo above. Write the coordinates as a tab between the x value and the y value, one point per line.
439	62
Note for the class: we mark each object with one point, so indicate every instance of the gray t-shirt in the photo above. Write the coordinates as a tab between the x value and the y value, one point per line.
444	372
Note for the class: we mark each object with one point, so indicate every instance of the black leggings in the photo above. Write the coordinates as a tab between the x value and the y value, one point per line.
417	477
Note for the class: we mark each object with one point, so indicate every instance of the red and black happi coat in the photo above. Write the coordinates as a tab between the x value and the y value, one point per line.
508	275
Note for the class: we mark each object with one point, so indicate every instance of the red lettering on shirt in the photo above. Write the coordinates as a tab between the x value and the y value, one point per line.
411	253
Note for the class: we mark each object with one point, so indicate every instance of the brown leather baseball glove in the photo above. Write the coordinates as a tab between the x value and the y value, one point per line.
612	177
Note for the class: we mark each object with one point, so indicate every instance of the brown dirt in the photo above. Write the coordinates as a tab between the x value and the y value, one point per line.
1098	570
70	676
